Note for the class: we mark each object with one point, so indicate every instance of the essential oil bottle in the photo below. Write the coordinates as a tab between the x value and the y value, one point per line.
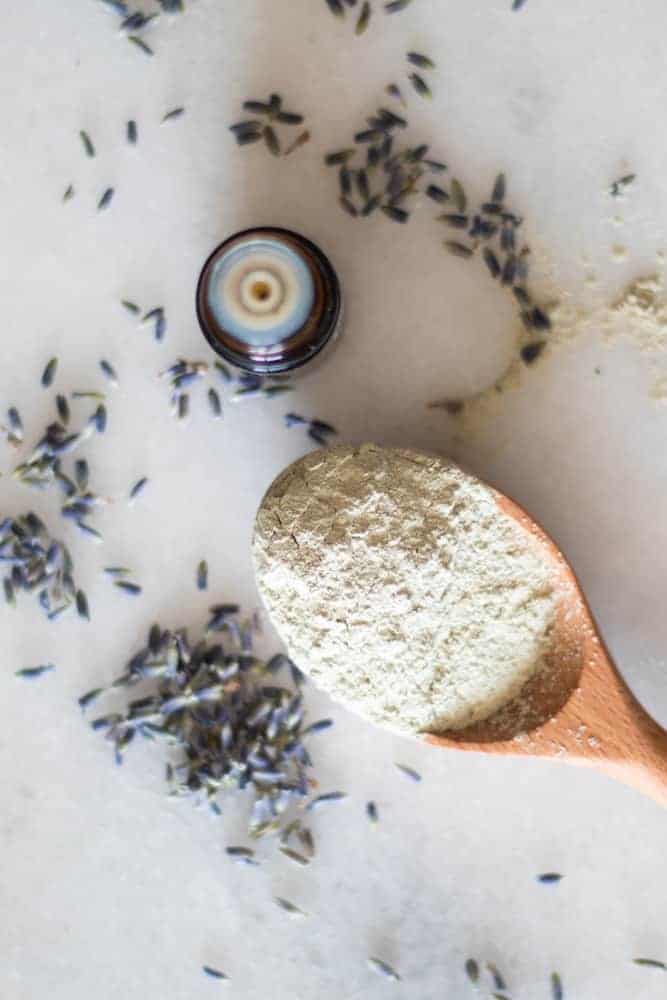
269	301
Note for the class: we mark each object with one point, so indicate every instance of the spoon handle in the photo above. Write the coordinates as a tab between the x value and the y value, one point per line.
645	767
632	746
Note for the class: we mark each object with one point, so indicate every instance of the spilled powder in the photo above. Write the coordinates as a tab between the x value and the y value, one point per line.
640	314
401	588
637	316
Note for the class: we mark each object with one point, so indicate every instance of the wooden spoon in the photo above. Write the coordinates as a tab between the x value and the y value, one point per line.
578	709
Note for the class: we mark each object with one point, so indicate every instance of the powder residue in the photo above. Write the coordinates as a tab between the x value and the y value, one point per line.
401	588
637	316
640	315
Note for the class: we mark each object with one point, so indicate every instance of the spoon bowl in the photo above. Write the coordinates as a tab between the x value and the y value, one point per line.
577	708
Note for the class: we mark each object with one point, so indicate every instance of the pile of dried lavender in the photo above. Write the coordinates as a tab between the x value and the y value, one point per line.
493	228
389	177
43	467
267	114
219	706
37	563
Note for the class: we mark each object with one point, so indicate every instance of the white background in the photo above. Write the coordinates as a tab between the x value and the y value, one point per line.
107	888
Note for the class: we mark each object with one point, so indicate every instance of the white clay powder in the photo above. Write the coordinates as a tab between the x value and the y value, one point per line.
398	584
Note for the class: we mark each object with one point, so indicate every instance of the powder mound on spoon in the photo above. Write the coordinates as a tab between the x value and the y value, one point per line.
401	588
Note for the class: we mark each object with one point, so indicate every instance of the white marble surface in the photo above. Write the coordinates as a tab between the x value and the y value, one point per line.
106	887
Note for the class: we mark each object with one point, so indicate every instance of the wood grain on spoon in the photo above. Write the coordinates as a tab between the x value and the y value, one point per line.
578	708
